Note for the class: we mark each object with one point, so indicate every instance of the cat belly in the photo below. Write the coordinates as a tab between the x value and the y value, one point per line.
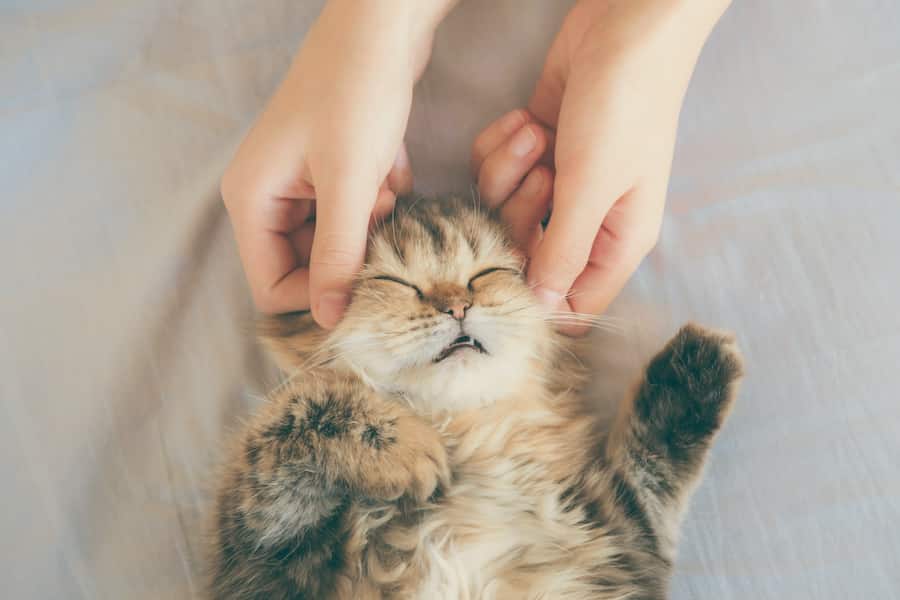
502	530
493	540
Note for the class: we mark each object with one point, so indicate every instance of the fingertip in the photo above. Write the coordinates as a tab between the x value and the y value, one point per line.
329	308
557	262
509	165
495	134
384	205
339	245
575	330
400	177
550	298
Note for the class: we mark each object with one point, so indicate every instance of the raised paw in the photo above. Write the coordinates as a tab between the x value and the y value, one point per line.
697	360
690	385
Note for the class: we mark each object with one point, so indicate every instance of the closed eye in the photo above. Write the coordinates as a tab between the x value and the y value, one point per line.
492	270
400	281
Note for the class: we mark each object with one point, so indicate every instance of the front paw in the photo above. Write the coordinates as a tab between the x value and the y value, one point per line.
690	385
412	460
697	360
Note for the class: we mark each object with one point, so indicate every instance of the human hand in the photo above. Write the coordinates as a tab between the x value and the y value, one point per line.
327	155
607	105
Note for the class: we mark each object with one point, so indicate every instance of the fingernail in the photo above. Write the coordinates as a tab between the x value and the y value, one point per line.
331	308
523	142
534	183
512	121
548	297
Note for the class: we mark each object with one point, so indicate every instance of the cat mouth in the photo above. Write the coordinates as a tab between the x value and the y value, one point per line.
463	342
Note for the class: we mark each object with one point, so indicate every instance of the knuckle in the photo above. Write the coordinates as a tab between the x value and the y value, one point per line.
234	186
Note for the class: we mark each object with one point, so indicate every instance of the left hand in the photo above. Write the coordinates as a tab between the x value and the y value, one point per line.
604	114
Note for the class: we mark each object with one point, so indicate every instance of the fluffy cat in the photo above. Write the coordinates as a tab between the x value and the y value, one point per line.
435	445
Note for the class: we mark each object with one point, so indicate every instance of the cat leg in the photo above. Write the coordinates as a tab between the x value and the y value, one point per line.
658	446
281	529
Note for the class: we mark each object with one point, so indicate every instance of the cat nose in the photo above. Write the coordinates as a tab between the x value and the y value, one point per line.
457	310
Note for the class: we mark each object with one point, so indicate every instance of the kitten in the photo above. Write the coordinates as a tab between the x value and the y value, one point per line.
435	445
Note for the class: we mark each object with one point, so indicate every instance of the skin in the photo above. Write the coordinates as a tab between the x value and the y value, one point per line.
595	143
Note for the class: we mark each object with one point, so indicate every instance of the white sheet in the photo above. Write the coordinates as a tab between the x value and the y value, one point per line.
124	353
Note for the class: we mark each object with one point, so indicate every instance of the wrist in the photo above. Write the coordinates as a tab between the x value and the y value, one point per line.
417	18
405	26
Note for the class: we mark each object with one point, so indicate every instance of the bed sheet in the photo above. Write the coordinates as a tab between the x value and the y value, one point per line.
125	353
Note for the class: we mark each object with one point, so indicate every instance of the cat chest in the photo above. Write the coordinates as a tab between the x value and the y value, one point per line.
497	532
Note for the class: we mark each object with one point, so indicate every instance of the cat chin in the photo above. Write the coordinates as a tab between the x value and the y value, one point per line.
463	381
467	379
460	383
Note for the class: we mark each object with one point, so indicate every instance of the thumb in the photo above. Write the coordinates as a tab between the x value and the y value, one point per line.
343	206
547	97
579	207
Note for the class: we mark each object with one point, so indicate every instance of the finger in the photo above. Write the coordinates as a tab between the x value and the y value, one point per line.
277	282
290	293
548	157
548	92
384	205
612	262
267	253
527	207
344	205
502	171
283	215
400	177
495	134
302	240
627	235
582	197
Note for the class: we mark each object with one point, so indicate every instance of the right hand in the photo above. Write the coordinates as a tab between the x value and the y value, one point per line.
327	155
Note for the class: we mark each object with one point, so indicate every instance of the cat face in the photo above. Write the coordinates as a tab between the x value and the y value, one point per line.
441	312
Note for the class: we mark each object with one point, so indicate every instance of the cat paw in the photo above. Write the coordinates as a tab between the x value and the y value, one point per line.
414	461
698	360
428	465
692	380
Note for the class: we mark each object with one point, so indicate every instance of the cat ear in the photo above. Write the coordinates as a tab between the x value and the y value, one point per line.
290	338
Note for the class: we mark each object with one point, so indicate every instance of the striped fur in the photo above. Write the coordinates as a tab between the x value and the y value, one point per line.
375	472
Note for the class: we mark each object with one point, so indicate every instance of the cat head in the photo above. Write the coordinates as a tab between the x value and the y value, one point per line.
440	314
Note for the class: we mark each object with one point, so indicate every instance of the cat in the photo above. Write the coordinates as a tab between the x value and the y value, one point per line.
437	444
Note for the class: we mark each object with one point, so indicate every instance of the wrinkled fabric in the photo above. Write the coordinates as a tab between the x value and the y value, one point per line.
126	352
